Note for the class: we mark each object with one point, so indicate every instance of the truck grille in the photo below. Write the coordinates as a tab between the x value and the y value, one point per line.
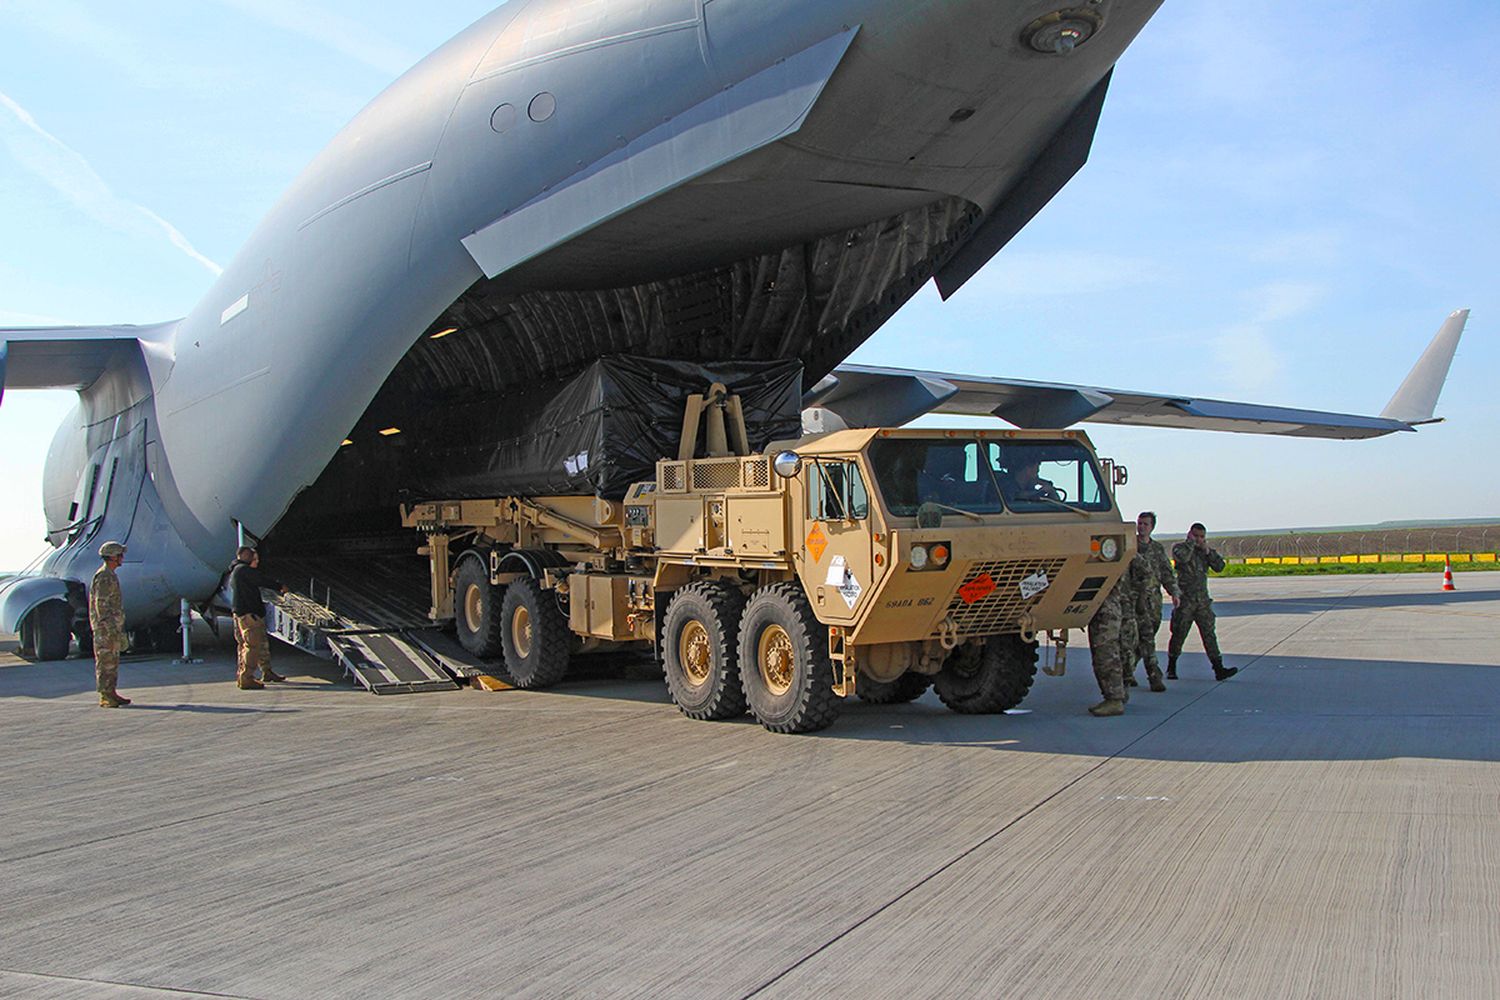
999	611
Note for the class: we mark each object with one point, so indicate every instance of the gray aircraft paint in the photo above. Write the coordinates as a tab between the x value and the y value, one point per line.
553	144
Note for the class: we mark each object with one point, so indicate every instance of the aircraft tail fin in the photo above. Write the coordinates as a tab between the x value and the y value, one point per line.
64	357
1416	401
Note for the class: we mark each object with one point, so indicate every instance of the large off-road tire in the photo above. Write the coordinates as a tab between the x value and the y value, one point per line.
51	630
983	681
784	663
535	637
476	609
908	687
700	650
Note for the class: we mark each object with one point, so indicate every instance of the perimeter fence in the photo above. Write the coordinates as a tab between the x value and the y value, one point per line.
1461	543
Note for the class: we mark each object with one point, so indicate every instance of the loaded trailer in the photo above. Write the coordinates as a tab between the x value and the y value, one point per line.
873	562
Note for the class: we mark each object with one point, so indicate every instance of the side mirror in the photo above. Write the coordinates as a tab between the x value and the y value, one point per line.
787	464
1122	475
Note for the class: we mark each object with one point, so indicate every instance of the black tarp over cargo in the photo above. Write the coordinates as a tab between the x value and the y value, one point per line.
596	433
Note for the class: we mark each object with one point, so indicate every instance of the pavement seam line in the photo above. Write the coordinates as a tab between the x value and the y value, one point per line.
208	815
133	986
1029	811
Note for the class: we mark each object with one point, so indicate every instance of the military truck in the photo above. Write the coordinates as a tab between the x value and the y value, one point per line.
871	562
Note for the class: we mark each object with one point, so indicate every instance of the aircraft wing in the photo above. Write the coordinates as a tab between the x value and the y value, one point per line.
62	357
865	396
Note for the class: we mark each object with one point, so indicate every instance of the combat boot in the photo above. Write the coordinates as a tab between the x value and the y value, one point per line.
252	685
1223	673
1156	683
1106	708
108	701
120	698
1172	669
1130	680
271	677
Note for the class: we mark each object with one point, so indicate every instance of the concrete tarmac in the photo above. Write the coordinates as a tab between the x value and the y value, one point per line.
1323	825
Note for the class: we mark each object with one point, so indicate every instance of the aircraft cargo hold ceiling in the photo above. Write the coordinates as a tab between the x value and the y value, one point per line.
814	302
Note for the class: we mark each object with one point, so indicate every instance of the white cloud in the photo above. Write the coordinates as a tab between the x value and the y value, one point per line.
343	35
68	173
12	319
1248	359
1283	300
1060	275
1324	247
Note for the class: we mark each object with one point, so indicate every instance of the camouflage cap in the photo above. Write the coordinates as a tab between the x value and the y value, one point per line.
111	549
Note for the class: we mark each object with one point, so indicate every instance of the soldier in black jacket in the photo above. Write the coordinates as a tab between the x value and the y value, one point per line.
245	582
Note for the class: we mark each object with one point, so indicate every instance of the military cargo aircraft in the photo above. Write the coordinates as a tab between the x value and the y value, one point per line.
565	179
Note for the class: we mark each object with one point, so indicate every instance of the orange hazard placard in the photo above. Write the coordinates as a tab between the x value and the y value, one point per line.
817	542
977	589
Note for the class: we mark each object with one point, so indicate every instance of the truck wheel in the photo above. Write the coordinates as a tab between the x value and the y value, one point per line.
476	609
784	663
908	687
988	680
536	639
699	646
51	630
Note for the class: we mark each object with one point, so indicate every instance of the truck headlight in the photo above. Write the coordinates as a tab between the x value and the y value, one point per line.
930	556
1106	548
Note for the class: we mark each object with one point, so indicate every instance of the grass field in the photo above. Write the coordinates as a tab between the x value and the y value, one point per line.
1346	569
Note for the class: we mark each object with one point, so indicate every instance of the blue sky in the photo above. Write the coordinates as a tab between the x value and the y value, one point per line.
1284	202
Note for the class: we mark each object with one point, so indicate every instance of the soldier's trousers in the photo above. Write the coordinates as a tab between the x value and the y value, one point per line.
1104	650
1129	651
254	649
1184	617
1147	622
106	667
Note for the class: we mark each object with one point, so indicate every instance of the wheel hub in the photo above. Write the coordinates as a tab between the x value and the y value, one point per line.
695	652
777	659
473	607
520	632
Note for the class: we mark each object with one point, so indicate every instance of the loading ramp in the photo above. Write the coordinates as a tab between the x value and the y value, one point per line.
365	614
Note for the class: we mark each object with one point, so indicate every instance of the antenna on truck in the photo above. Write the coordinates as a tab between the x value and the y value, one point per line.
720	413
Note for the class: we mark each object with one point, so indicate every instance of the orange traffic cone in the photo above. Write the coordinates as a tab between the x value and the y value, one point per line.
1448	575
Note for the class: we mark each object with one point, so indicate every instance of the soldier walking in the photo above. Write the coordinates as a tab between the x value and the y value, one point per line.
1129	589
1194	607
1104	650
107	622
1156	574
254	651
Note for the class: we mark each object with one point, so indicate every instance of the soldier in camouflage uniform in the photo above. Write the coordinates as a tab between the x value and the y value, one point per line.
1155	572
1130	587
107	621
1194	607
1104	650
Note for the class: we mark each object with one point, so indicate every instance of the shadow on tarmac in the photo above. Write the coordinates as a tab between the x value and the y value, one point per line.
1279	708
1313	604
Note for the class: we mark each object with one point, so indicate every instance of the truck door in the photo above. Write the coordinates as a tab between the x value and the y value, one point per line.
839	547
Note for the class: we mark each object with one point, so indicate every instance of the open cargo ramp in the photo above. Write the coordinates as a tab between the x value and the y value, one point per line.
367	613
389	663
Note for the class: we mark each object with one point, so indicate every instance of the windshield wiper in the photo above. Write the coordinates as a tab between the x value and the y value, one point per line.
1052	500
956	510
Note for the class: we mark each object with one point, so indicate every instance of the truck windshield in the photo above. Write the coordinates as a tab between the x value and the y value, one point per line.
1032	476
1040	475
